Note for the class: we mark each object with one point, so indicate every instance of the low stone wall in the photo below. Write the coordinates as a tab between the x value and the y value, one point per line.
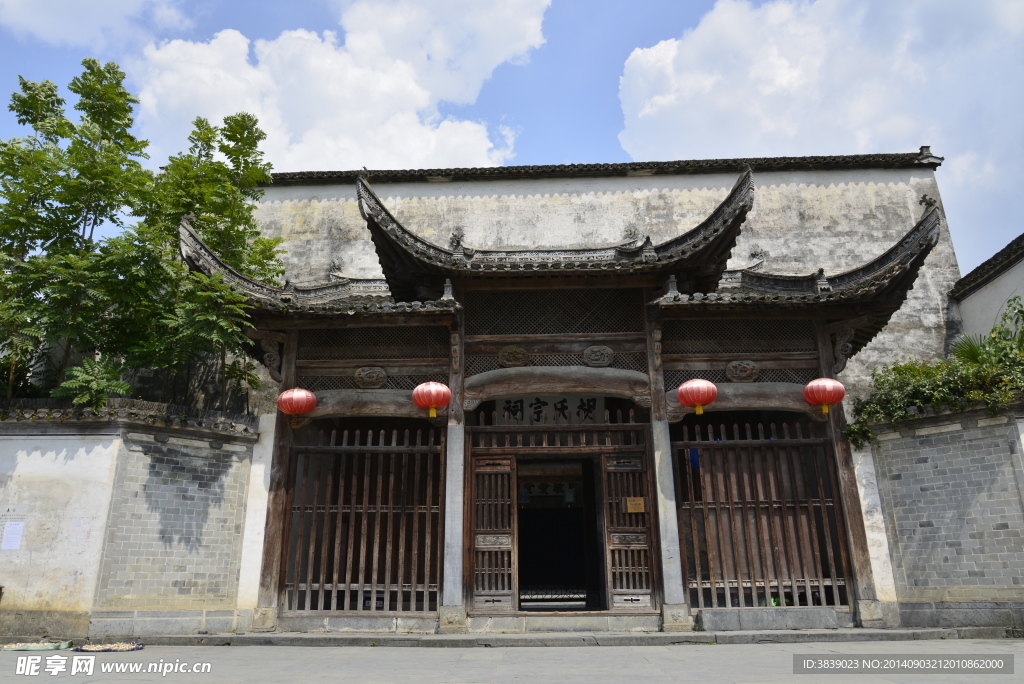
952	495
134	520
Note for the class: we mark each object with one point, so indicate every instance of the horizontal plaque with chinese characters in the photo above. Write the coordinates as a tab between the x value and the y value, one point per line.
547	409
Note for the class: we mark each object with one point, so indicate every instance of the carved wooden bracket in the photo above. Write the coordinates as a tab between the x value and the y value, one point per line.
271	358
270	346
843	349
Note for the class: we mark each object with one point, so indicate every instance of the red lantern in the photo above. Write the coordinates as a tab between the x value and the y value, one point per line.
296	402
432	395
697	393
824	392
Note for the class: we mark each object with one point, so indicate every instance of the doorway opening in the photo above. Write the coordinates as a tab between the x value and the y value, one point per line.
560	555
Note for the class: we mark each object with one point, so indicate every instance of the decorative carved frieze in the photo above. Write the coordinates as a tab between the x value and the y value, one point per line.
642	400
493	541
742	371
598	356
629	539
371	377
513	357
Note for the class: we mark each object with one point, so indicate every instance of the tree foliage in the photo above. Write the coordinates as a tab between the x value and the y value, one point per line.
980	371
91	307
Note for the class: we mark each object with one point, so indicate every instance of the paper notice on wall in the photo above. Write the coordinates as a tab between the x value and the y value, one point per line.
12	535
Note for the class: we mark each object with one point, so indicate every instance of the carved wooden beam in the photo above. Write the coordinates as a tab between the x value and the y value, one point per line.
751	396
612	382
359	402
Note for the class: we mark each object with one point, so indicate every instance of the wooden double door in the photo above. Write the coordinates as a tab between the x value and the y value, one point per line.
560	520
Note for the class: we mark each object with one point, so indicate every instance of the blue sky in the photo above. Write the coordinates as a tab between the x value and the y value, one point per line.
424	83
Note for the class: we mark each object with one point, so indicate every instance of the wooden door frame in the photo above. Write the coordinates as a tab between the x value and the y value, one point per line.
597	453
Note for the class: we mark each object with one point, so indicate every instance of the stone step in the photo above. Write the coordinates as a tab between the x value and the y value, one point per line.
550	639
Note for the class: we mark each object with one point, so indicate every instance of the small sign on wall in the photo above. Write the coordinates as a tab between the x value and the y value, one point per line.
12	526
635	504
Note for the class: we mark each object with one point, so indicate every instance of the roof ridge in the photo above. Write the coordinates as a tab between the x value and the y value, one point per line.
922	158
989	269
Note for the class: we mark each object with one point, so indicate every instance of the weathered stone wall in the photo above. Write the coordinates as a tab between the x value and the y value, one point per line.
134	524
801	221
952	493
174	537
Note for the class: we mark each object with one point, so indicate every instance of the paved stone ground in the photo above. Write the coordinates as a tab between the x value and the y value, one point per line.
705	663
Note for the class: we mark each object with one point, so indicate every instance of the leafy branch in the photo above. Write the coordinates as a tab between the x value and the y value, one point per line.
980	370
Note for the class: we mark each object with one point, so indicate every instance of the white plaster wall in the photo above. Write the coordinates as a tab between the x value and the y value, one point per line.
829	206
983	308
256	514
65	484
802	220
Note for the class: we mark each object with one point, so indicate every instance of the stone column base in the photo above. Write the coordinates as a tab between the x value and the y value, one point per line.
676	618
264	619
452	620
878	614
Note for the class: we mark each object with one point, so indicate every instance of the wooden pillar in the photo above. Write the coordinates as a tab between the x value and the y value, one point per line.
265	616
871	611
452	610
675	609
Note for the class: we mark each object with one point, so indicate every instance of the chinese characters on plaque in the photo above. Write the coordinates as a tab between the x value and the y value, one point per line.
546	409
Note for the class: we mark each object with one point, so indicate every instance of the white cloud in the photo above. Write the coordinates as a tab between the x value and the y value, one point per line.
792	77
89	23
368	101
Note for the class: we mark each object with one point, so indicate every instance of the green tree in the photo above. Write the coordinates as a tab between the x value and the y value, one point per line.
127	301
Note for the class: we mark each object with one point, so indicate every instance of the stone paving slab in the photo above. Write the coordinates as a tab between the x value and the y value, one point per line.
697	662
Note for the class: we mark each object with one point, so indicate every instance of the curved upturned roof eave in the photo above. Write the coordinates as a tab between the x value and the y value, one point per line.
406	258
342	296
879	286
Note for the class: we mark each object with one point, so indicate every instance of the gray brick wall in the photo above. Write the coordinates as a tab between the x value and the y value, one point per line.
175	532
951	498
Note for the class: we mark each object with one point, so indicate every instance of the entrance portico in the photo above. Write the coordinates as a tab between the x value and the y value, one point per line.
564	481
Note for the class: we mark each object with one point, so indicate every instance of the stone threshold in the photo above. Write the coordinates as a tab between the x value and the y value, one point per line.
562	639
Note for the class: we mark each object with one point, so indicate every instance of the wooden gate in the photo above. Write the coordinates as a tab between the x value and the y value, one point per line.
364	524
759	519
619	450
495	582
628	531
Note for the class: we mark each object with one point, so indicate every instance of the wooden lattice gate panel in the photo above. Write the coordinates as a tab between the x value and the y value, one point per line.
364	524
619	452
760	523
628	533
495	580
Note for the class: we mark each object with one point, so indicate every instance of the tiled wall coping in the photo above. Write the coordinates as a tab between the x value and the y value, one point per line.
36	415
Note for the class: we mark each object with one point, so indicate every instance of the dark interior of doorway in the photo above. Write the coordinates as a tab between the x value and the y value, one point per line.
559	550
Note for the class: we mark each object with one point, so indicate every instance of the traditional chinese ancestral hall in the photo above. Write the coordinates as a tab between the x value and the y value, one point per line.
563	306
